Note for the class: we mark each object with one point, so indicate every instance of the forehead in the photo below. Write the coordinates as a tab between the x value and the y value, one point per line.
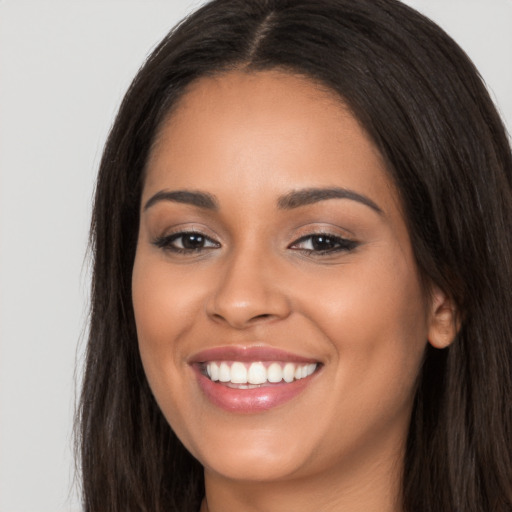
262	133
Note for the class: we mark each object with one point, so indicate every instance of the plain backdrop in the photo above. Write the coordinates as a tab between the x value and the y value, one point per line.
64	67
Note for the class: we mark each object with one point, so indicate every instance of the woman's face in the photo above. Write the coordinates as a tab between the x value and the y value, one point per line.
279	311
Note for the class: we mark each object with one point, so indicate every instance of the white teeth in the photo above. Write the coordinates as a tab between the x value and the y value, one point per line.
238	373
257	373
224	372
213	371
275	373
288	372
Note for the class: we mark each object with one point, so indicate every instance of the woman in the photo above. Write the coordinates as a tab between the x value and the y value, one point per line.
302	278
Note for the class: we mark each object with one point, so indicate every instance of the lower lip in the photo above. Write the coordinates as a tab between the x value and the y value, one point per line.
250	400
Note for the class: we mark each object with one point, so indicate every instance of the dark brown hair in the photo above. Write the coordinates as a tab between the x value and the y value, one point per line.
423	103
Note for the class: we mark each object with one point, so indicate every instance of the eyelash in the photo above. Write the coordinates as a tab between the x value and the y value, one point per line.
339	244
166	242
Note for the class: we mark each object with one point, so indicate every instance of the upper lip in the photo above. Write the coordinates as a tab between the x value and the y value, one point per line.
247	354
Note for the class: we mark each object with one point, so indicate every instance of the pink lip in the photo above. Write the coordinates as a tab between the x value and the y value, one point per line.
249	400
247	354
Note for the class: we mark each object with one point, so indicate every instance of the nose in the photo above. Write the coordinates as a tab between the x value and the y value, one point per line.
249	291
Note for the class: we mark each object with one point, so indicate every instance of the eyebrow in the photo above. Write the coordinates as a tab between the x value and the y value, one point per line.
289	201
194	198
303	197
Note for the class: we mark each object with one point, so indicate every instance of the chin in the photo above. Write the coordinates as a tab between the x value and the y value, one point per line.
254	466
246	454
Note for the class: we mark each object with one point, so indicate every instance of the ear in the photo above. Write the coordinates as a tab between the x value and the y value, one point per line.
444	319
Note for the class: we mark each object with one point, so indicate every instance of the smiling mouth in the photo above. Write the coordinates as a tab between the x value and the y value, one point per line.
251	375
252	380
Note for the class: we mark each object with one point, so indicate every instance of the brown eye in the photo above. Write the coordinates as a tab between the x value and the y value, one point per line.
192	241
186	242
323	243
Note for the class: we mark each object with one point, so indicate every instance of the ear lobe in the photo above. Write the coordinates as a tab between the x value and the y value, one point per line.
444	321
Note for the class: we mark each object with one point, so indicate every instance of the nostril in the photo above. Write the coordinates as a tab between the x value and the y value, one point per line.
262	317
247	321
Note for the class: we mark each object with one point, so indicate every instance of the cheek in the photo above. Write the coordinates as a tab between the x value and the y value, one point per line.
165	306
164	313
166	310
375	319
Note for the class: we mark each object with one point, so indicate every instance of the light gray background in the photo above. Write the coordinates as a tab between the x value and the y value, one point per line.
63	69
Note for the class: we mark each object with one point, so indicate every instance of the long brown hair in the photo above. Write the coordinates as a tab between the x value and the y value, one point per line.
423	103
